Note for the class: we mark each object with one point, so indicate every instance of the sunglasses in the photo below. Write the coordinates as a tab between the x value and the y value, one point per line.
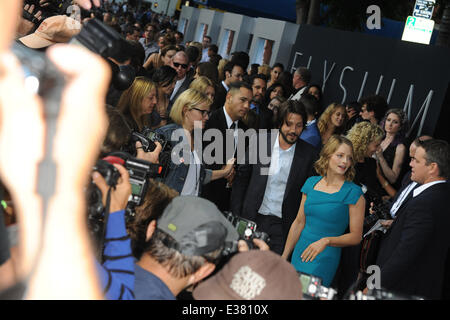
176	65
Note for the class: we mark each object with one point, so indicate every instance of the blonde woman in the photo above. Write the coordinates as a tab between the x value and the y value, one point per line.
332	121
220	69
366	138
265	70
330	204
205	85
186	173
137	102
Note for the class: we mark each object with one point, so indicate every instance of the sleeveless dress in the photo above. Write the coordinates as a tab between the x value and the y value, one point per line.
327	215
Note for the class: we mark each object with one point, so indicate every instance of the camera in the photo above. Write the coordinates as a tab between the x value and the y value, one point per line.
147	137
312	288
94	197
52	8
246	229
139	173
108	43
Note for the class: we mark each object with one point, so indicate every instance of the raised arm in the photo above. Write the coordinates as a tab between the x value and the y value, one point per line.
392	173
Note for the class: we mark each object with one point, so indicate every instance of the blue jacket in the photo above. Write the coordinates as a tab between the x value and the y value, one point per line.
177	172
311	135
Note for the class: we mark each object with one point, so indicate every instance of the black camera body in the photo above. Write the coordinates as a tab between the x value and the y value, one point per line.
312	288
246	229
108	43
53	7
147	137
139	172
94	197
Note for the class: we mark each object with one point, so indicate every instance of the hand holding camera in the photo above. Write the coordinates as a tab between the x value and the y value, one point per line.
119	194
150	156
31	18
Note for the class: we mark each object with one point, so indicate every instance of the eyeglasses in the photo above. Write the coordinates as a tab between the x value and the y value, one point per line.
203	112
176	65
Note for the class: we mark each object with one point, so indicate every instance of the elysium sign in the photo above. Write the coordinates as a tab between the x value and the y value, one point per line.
350	65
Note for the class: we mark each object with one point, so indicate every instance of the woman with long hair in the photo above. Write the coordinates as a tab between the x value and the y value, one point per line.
392	150
330	204
137	102
186	173
332	121
275	72
366	138
165	79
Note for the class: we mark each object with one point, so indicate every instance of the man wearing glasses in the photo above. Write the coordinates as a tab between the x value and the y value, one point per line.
180	62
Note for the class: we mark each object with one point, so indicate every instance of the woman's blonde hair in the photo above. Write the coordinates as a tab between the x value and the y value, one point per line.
130	102
221	67
321	165
265	70
201	84
361	135
325	118
190	98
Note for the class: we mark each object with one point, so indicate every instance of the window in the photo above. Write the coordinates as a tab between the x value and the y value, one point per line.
263	52
203	30
182	26
227	43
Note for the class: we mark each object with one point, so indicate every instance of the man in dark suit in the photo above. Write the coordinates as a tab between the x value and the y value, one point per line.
270	193
413	251
180	62
233	72
226	118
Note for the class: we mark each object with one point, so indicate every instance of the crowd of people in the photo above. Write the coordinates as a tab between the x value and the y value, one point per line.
252	140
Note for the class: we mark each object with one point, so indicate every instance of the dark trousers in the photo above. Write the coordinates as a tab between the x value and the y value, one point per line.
273	227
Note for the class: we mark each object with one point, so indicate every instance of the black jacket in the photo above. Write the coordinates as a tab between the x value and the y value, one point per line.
412	253
249	185
216	190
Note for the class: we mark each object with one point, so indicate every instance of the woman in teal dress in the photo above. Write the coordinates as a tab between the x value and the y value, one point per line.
330	203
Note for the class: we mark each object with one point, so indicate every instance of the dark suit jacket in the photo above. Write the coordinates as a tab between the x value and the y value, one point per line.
184	86
219	97
412	253
249	185
216	190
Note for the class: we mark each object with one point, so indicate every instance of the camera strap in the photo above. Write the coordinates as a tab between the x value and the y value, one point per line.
105	225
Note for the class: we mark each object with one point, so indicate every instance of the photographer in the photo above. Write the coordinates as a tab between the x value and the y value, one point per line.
137	102
189	113
178	241
117	272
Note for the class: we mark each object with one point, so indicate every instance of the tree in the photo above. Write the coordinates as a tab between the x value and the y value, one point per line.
301	8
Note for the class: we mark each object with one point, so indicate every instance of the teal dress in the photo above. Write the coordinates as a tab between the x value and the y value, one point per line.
326	215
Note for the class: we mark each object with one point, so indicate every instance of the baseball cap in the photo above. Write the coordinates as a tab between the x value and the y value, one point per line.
197	225
55	29
252	275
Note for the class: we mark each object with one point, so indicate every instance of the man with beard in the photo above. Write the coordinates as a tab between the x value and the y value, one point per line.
268	192
259	116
